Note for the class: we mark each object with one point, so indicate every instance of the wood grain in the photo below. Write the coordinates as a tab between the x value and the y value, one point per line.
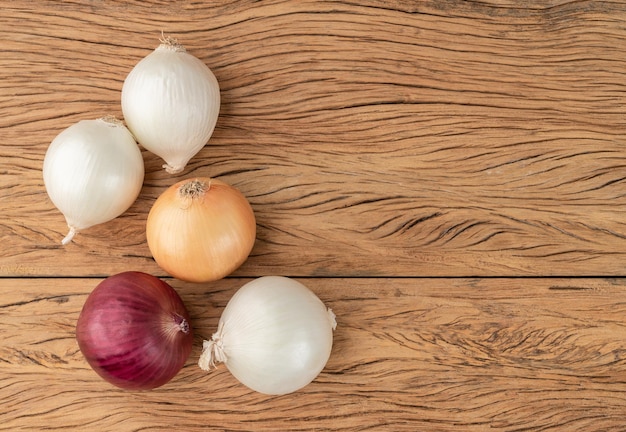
449	176
373	138
408	354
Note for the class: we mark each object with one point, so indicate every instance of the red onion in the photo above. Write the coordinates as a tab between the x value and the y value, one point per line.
134	331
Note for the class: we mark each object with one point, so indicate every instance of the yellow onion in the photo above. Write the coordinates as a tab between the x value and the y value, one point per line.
200	230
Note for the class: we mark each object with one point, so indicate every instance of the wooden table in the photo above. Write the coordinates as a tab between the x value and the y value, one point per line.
448	176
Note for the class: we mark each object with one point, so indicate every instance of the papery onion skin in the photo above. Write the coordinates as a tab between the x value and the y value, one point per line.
134	331
171	102
93	172
201	229
275	336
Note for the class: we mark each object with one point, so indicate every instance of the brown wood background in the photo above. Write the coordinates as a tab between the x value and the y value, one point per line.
449	176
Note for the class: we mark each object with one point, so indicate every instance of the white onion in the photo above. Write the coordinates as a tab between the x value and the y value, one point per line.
93	172
171	102
275	336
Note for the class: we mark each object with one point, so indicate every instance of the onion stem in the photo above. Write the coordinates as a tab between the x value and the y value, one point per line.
173	169
70	235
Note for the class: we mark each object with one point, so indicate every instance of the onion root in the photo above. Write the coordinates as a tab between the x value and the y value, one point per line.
332	318
213	350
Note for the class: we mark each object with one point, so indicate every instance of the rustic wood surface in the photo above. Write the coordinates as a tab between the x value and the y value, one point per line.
449	176
408	354
421	138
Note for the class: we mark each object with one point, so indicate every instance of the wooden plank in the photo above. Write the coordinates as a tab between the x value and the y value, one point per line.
409	354
374	138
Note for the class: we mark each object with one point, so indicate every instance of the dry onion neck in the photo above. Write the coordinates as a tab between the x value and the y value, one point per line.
170	43
111	120
181	324
175	324
194	189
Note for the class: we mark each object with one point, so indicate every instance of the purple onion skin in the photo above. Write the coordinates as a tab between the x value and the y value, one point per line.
134	331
